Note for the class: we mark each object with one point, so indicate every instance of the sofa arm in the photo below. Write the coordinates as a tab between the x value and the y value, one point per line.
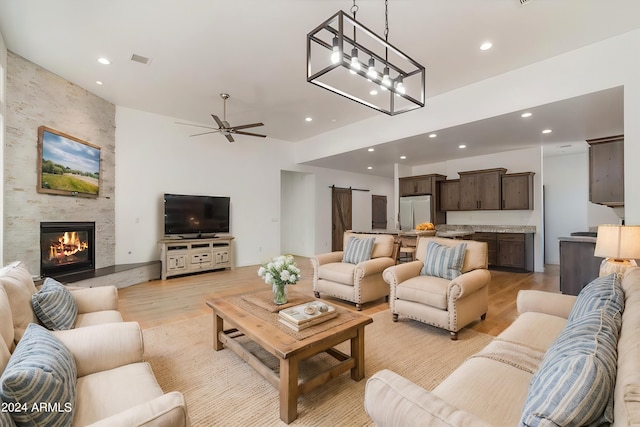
373	266
391	400
327	258
399	273
168	410
545	302
102	347
90	300
469	282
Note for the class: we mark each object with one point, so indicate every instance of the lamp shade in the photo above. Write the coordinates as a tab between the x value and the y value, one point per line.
618	242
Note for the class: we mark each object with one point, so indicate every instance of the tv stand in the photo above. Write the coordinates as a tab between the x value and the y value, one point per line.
184	256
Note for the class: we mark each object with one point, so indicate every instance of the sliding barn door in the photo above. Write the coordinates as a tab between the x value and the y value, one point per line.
340	216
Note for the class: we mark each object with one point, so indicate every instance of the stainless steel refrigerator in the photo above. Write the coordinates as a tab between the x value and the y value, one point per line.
413	211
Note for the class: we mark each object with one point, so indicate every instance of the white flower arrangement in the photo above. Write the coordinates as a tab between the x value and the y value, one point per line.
281	270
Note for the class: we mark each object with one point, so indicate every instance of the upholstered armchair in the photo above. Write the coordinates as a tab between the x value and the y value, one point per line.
355	274
458	297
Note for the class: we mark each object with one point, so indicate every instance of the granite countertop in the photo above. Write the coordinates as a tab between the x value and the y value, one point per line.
486	228
397	232
454	233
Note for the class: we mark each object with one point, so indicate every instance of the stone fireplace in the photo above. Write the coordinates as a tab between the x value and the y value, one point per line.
66	247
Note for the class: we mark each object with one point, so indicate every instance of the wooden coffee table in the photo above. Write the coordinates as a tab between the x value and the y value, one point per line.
289	350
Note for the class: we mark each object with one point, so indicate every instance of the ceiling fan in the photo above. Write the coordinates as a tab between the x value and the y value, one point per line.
224	127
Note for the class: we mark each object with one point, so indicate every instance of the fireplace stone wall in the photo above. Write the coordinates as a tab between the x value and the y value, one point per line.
38	97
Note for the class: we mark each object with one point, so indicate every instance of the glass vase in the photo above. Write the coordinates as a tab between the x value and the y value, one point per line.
279	294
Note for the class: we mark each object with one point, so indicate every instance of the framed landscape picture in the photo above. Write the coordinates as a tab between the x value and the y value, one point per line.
67	165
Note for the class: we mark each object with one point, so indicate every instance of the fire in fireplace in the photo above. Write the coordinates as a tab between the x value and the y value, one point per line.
66	247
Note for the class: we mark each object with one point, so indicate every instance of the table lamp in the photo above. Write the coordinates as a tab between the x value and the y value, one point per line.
619	245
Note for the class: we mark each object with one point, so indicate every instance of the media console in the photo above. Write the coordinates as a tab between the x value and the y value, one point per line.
183	256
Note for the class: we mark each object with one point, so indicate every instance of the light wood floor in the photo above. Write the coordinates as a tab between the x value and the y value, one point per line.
161	302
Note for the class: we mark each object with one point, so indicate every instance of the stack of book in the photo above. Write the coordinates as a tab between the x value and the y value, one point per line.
305	315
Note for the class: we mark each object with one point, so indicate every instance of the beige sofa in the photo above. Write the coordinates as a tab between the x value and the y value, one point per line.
492	387
450	304
113	385
360	282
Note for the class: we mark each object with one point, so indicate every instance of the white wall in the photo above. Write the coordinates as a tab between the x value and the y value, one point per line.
3	108
155	156
298	207
276	206
595	67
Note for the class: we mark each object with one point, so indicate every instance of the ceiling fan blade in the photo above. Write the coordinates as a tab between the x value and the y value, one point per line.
226	125
205	133
252	125
191	124
218	121
229	138
250	134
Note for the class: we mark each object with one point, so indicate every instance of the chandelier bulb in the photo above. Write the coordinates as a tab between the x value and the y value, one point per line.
386	81
355	64
336	55
372	73
400	85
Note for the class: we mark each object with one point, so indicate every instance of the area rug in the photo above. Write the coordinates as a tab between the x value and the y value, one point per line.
222	390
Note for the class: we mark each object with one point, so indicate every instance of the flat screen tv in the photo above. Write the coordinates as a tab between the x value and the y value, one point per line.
195	216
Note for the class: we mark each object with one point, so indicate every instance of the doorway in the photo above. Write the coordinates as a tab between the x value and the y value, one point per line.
341	214
378	212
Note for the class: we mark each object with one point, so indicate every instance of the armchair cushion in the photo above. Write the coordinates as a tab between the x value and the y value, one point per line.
54	306
358	250
427	290
444	261
338	272
41	369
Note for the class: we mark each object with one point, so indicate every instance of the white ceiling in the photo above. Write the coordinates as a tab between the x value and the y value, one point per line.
256	50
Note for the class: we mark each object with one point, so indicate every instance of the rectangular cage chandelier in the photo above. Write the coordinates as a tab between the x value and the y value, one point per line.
347	58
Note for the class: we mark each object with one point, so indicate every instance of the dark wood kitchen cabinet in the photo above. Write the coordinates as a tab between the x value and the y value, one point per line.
481	190
492	245
508	250
515	250
450	195
517	191
606	171
578	265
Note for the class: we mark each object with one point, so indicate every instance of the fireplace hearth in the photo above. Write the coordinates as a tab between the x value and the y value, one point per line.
66	247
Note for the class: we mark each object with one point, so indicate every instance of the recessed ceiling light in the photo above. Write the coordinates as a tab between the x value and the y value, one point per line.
462	146
334	120
403	157
308	119
433	135
98	82
547	131
373	92
486	46
369	167
371	149
104	61
525	115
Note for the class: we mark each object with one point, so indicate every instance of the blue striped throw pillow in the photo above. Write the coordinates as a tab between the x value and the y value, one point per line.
602	293
358	250
575	382
443	261
54	306
40	380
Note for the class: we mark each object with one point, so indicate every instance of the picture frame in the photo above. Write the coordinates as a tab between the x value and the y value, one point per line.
67	165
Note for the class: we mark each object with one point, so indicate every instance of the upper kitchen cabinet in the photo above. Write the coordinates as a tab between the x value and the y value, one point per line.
481	190
517	191
450	195
606	171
